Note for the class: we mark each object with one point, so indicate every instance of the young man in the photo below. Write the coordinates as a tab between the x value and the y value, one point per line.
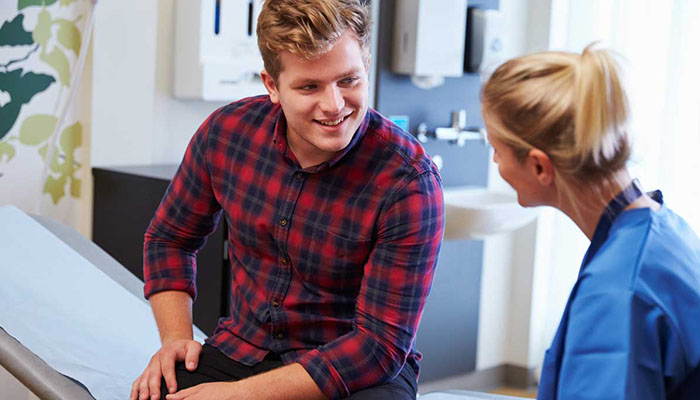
334	217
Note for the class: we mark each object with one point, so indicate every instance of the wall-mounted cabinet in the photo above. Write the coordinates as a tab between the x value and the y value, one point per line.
216	50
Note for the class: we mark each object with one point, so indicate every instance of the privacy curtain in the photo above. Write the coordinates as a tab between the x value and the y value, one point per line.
40	42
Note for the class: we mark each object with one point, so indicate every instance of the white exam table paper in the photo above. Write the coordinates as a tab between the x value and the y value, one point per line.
70	313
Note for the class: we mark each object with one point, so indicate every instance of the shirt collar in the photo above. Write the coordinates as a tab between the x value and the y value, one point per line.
280	141
612	211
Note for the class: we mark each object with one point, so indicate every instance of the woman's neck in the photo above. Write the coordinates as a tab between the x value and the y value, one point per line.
585	206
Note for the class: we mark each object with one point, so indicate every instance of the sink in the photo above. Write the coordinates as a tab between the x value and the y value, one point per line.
473	212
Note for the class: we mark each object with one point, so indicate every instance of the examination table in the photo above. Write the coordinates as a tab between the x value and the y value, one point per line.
73	321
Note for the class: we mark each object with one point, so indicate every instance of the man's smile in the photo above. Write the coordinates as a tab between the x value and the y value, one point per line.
332	122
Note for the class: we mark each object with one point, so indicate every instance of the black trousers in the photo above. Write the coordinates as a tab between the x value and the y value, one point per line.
214	366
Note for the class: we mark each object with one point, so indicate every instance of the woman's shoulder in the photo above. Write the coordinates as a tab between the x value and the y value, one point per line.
670	251
645	249
651	258
669	266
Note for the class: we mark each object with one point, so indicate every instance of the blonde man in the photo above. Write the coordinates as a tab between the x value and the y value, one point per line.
335	218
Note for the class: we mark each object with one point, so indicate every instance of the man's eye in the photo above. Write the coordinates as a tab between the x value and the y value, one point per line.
308	87
348	81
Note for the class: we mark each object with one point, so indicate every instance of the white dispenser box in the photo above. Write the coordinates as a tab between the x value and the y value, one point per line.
216	51
487	40
429	37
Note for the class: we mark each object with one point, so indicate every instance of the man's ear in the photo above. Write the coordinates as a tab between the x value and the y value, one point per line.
270	86
541	166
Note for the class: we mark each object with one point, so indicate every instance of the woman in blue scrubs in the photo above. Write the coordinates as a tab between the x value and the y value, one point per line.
631	327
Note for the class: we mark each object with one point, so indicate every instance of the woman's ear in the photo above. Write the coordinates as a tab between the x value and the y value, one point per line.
270	85
541	166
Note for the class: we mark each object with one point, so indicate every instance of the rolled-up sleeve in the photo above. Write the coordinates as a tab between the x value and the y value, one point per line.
395	287
187	214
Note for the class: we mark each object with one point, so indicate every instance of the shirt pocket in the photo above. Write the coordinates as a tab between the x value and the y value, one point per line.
333	262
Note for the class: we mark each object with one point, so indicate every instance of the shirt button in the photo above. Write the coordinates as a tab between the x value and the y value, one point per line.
283	221
298	176
285	261
280	335
275	303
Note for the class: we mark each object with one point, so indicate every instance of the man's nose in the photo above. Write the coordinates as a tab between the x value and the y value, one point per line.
332	102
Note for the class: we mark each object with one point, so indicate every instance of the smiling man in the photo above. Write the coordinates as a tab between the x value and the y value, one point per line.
334	216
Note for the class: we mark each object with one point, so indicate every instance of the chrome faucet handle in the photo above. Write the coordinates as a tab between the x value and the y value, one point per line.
471	134
422	133
459	119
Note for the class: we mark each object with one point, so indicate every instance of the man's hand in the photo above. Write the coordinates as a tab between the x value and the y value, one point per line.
208	391
162	364
290	382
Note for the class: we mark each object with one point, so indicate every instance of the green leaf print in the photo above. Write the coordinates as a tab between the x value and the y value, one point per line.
36	129
22	87
66	166
71	138
22	4
75	185
58	61
42	30
56	187
12	33
7	152
68	35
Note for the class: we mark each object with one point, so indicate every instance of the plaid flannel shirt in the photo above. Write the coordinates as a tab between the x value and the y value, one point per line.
331	265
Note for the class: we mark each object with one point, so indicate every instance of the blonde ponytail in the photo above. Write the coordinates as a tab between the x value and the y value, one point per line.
601	112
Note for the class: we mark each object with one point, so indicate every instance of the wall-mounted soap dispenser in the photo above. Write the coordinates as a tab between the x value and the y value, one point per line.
429	37
485	47
216	52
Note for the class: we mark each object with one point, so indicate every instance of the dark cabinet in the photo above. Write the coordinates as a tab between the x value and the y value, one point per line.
125	200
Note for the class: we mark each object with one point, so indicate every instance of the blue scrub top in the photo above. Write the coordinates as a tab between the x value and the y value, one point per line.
631	327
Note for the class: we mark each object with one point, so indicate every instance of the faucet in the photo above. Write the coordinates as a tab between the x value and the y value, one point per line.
458	133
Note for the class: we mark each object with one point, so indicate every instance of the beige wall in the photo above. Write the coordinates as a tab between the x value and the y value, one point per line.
135	118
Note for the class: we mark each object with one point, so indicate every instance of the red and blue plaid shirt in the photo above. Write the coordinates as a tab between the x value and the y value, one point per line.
331	265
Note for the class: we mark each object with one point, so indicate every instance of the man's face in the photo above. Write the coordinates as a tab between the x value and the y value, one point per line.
324	100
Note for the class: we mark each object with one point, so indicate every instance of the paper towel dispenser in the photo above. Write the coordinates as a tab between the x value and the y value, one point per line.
216	52
429	37
485	41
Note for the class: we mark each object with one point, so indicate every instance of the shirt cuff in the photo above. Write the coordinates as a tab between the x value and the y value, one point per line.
325	375
153	286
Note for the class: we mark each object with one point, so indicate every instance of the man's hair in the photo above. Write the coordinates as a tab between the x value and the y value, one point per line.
309	28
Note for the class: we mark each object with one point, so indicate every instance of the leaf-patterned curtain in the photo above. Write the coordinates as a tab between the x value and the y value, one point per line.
40	45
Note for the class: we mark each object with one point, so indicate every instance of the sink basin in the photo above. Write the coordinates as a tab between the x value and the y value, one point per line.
476	212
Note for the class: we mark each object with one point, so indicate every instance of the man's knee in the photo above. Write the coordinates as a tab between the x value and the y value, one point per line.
402	387
185	379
